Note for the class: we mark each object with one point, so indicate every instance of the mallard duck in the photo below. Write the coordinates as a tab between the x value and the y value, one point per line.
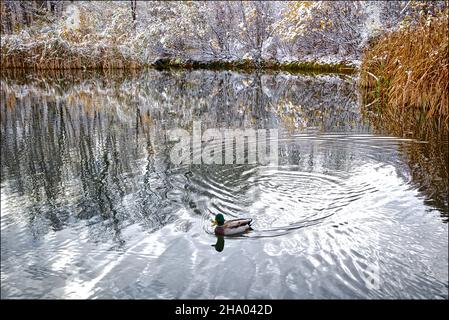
231	227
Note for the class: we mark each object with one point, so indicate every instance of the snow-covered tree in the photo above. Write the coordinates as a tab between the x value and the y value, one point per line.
143	31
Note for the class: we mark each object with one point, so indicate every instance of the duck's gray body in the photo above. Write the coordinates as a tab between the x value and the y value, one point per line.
233	227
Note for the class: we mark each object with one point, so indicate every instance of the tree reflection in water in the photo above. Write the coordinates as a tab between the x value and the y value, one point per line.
86	146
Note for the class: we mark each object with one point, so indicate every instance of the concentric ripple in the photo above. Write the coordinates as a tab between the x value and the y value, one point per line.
308	186
93	207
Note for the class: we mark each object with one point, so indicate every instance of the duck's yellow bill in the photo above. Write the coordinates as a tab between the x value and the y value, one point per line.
214	223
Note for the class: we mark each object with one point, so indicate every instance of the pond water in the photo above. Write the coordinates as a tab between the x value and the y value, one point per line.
92	205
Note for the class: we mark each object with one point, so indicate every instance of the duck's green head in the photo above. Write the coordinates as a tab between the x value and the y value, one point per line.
219	219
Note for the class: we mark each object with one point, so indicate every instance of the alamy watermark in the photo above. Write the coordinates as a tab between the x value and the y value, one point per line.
224	146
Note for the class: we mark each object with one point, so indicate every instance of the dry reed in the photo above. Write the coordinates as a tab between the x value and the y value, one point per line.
407	70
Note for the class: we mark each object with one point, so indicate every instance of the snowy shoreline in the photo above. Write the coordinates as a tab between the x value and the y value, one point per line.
292	66
32	58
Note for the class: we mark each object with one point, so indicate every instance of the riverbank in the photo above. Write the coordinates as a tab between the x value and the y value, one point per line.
97	36
37	58
251	66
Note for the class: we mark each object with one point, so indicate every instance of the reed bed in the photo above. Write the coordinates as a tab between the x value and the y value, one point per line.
36	59
407	71
76	50
39	56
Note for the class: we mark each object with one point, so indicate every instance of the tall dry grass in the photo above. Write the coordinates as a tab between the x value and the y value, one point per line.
47	53
64	44
407	70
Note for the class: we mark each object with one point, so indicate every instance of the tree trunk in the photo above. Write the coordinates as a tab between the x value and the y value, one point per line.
133	10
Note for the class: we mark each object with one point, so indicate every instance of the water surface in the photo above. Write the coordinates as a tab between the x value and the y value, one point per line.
92	206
